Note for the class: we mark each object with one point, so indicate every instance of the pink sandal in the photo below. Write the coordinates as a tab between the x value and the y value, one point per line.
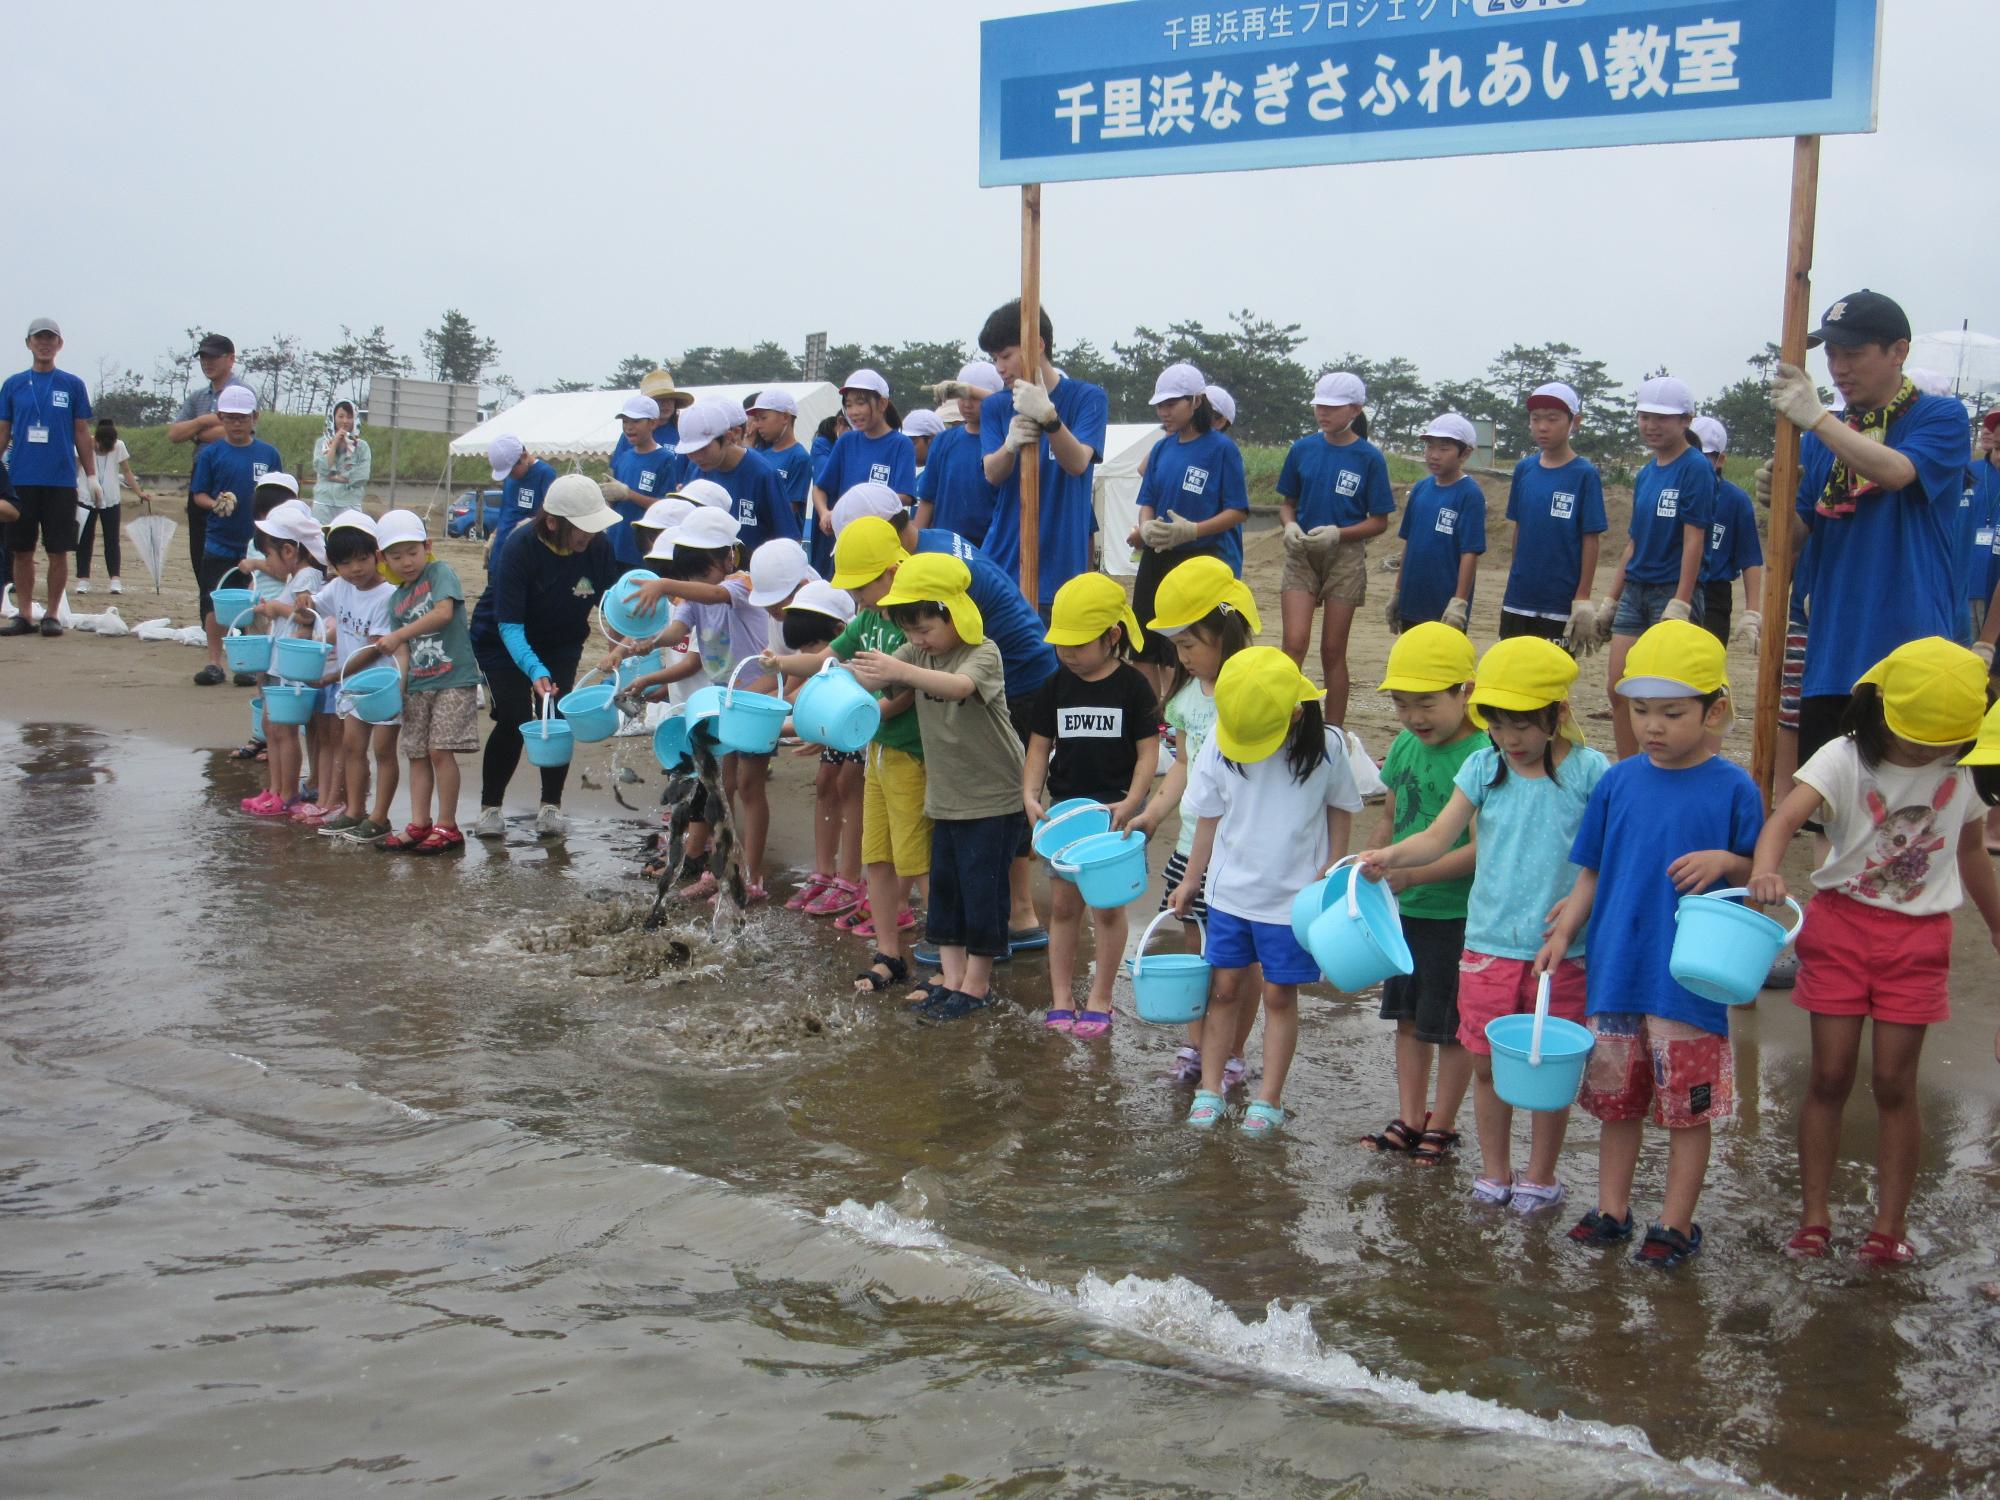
811	891
836	896
865	929
1092	1023
848	920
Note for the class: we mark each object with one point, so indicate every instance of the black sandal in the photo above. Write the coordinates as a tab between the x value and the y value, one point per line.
932	994
872	982
248	750
1431	1147
1395	1136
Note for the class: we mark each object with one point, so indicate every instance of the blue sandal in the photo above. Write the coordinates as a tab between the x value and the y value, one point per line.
1207	1110
1262	1119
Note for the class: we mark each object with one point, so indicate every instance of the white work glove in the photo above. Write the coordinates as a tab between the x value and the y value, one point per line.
1602	619
1582	627
1295	539
1458	615
1325	540
1749	629
1761	485
1032	402
96	494
1795	397
1984	651
951	390
1392	614
616	490
1165	535
1022	433
225	503
1677	609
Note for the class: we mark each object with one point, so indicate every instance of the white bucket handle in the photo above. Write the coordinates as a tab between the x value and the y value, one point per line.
1139	954
729	688
1541	1019
1352	863
546	712
237	619
1744	890
239	568
1057	863
1062	818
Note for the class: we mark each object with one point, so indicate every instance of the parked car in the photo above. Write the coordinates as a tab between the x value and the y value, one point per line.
462	521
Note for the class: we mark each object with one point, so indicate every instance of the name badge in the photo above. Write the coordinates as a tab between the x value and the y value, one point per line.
37	433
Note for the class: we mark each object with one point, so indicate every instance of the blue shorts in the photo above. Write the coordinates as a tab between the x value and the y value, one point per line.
1236	943
1642	606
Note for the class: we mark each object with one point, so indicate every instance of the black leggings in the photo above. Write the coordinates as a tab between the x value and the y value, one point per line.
511	700
90	519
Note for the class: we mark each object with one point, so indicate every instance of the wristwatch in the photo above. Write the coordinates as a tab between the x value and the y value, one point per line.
1054	424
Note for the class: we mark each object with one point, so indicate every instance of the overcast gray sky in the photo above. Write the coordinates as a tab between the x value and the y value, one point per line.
590	180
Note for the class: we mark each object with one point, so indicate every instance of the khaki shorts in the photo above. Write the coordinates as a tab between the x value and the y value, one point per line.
894	827
1339	579
442	719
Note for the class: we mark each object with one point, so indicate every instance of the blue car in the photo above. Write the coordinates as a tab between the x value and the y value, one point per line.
462	521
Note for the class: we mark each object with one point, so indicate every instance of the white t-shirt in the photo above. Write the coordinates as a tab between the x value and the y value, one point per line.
107	473
1271	843
360	616
1894	830
308	580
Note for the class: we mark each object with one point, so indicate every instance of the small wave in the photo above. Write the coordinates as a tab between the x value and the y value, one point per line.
258	1064
882	1225
409	1110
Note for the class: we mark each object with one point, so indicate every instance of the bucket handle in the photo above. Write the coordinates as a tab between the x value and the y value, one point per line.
545	713
1744	890
1541	1019
1061	818
237	618
1353	864
239	568
1057	863
729	688
1139	954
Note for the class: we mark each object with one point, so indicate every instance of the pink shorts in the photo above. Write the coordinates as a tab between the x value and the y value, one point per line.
1491	987
1862	960
1682	1074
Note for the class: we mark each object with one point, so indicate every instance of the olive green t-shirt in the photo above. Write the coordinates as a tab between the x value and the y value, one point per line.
972	757
871	630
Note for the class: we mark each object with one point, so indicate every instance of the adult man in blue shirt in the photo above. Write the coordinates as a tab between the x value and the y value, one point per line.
1884	518
196	422
524	482
1063	422
45	434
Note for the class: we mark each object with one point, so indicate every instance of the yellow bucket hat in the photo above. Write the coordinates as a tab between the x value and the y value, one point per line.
864	551
1933	692
1429	658
1256	694
1522	675
1677	659
1194	589
1986	752
1087	606
934	577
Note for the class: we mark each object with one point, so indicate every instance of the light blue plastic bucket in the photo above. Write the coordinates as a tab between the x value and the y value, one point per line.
634	667
245	653
1544	1072
232	604
590	712
1723	950
1170	989
1109	868
1077	818
377	694
546	738
670	740
1357	939
750	723
834	710
290	702
627	619
703	707
257	718
1310	902
297	659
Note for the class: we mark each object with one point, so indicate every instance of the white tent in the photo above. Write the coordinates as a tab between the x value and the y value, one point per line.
1115	491
584	424
1969	362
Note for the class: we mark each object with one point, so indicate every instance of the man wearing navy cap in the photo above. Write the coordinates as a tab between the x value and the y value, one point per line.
196	422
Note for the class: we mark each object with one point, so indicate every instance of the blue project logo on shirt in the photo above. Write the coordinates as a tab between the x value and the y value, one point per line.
258	471
1715	535
59	398
525	500
1195	481
646	478
1350	483
879	473
1447	521
1562	505
1669	506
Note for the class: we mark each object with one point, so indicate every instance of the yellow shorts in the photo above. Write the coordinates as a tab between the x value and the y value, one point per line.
893	824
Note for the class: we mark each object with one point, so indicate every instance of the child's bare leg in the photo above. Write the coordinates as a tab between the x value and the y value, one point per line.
754	801
1836	1051
422	780
388	772
977	977
1247	1016
1413	1073
1021	913
1065	929
1281	1039
1687	1165
1617	1160
1112	930
1454	1075
848	855
952	964
354	766
1494	1118
1219	1025
444	770
885	894
1896	1050
1546	1130
1333	632
1295	608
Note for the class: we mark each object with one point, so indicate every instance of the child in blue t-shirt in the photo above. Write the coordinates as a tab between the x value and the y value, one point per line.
1733	550
1674	821
871	450
1556	502
1443	532
643	471
774	418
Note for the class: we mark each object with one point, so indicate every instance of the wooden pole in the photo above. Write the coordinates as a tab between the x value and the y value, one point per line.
1030	458
1785	469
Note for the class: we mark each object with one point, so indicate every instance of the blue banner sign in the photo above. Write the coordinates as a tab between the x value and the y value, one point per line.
1157	86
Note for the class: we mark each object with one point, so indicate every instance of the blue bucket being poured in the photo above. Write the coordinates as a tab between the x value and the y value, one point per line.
590	712
1357	938
750	723
375	693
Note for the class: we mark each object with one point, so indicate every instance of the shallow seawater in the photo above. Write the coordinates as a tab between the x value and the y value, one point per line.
324	1173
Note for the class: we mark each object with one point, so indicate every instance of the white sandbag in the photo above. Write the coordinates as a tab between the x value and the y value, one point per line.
165	630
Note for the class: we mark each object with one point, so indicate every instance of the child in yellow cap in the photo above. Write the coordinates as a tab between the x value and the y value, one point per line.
1430	674
1896	795
1094	734
1275	799
1528	789
972	772
1674	820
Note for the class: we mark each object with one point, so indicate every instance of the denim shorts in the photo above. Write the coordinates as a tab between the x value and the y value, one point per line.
1642	605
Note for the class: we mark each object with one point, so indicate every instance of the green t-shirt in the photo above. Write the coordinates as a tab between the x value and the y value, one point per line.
442	659
871	630
1421	778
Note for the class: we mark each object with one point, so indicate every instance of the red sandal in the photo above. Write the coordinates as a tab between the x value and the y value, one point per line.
1880	1249
412	835
1810	1243
440	840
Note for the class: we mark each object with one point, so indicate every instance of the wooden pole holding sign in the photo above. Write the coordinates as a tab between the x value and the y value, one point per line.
1029	459
1785	470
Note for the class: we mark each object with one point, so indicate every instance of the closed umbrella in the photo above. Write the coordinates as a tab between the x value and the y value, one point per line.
149	536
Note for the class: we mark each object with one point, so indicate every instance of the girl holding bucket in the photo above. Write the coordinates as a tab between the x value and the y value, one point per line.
1528	789
813	620
1903	829
1270	824
294	553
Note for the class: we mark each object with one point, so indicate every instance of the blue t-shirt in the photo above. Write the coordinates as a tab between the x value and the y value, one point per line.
1885	574
1335	484
760	501
667	435
1441	524
1639	820
221	468
50	402
1986	500
1667	499
523	497
1732	537
1526	827
795	475
1553	510
856	458
954	482
1975	535
550	595
1027	659
650	476
822	449
1068	513
1196	480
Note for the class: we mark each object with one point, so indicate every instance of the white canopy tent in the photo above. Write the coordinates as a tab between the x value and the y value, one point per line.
584	424
1969	361
1115	491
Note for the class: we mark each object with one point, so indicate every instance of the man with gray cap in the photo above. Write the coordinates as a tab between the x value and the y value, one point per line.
45	435
196	422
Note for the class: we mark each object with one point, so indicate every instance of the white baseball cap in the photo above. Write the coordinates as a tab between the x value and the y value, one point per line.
776	570
1665	396
705	421
398	526
235	400
869	498
1340	388
354	520
1451	425
294	522
640	409
503	453
1556	393
775	400
706	529
922	422
579	500
950	415
822	598
1175	382
982	376
279	479
707	492
1222	401
662	514
1714	436
865	380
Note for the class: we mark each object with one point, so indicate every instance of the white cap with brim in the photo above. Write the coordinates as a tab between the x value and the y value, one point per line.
922	423
278	479
869	498
774	400
982	375
398	526
776	570
705	421
705	529
44	325
293	521
1340	388
640	409
1454	428
1714	436
664	513
236	401
578	499
1664	396
1222	401
707	492
354	520
866	380
1177	382
824	599
503	453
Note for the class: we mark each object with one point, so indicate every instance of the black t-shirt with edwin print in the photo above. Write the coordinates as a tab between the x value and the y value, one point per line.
1097	728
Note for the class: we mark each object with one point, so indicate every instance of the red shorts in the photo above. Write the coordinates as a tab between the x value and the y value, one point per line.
1491	987
1862	960
1684	1075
